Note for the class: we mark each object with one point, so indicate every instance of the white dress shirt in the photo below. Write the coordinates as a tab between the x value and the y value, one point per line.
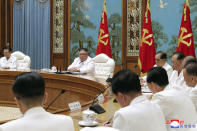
140	115
37	119
175	104
193	96
86	66
168	69
11	62
177	80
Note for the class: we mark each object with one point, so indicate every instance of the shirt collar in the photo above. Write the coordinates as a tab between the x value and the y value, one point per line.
83	61
165	65
34	110
138	99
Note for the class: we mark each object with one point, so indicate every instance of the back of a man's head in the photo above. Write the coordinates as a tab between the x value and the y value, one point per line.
29	88
158	75
126	81
188	59
191	68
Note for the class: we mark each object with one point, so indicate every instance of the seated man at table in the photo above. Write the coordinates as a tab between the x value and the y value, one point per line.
8	61
177	74
138	113
161	61
30	95
83	63
175	104
190	77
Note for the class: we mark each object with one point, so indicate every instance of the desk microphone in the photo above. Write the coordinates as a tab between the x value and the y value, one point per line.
59	71
62	92
96	107
110	81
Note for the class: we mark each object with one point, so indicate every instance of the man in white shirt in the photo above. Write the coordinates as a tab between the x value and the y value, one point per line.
178	80
8	61
30	95
83	63
177	75
190	77
161	61
175	104
137	112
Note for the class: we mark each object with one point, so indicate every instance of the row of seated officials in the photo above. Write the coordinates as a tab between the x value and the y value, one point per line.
82	64
171	108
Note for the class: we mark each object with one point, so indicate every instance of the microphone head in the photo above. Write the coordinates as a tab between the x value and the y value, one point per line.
62	91
109	80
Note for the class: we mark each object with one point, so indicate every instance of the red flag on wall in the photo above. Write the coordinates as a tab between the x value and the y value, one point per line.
146	58
185	43
103	44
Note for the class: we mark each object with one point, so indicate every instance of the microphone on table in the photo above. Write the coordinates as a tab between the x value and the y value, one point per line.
96	107
62	92
110	80
59	71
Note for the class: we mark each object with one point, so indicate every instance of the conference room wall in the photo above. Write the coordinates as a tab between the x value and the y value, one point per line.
63	58
166	23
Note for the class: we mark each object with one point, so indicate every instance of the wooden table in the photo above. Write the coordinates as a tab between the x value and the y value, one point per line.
82	88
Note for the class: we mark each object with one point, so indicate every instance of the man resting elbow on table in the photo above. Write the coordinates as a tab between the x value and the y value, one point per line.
83	63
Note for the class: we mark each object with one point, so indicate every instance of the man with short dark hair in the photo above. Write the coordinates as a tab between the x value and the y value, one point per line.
30	95
177	75
8	61
161	61
137	112
175	104
83	63
190	77
179	81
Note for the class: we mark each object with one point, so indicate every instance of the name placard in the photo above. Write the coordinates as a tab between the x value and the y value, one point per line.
100	99
74	106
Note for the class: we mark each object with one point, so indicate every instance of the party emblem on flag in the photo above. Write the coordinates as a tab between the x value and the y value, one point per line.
146	58
103	44
185	43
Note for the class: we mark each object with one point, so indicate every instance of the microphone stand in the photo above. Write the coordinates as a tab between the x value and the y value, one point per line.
62	92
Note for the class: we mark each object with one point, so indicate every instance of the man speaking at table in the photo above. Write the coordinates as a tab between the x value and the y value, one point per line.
30	95
83	63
